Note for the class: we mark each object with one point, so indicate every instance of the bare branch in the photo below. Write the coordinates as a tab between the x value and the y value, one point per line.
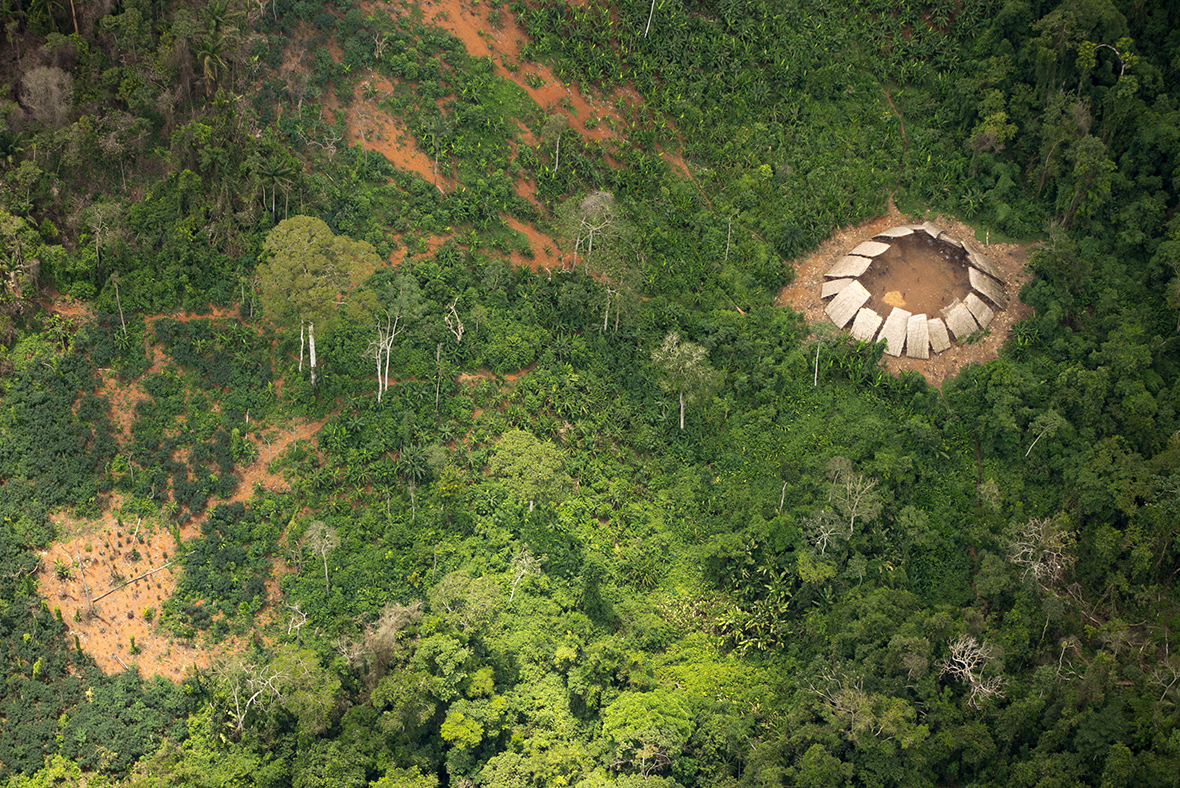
525	563
822	529
141	577
298	619
249	686
967	661
852	493
454	323
323	539
1043	546
1165	674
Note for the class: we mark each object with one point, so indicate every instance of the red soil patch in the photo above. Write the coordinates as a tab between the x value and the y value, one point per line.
106	635
526	136
546	256
212	312
593	117
379	131
502	44
527	190
67	306
679	166
124	398
431	242
125	395
803	294
470	378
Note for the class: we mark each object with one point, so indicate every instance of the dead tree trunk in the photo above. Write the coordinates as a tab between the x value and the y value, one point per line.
135	579
85	587
311	349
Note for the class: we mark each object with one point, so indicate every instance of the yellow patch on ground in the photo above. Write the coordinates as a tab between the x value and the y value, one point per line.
893	298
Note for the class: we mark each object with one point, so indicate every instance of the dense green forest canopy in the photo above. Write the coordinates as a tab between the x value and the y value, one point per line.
624	522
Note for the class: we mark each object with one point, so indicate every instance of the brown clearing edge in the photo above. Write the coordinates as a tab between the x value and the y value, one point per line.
120	615
107	636
803	294
374	129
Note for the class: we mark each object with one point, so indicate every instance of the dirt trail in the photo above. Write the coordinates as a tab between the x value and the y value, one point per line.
105	545
66	306
469	378
905	141
803	294
125	395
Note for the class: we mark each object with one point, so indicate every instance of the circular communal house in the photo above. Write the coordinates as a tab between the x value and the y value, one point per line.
911	272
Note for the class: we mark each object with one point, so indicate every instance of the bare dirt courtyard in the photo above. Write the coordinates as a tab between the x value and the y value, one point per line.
921	276
918	274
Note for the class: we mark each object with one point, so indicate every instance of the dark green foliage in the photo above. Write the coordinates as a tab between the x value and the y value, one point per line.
225	570
122	720
108	346
56	701
606	599
233	379
55	442
45	677
230	358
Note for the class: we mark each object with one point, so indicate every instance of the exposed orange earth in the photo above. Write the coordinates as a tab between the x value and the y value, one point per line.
379	131
470	24
92	554
95	553
376	130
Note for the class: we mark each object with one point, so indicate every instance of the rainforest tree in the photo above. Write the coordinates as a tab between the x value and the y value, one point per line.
306	272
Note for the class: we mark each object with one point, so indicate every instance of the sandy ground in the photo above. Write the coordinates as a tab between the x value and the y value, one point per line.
804	293
96	553
918	274
99	551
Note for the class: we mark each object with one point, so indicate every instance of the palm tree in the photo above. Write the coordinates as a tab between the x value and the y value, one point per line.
221	17
278	174
41	15
12	143
438	129
412	464
210	56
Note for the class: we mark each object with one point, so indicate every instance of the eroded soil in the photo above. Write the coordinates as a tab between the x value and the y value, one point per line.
494	34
